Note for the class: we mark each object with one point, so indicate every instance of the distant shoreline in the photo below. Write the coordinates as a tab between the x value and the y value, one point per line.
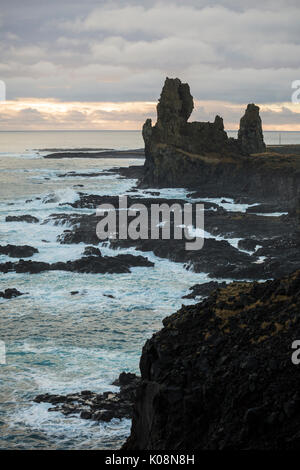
135	153
120	130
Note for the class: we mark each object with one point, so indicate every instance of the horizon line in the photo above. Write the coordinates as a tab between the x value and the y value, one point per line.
111	130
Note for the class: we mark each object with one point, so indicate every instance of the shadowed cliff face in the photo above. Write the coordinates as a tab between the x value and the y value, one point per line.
219	374
199	155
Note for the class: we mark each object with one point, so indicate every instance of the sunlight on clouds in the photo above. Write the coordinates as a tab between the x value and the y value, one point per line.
33	113
38	114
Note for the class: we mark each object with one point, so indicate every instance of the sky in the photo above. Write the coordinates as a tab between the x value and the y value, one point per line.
86	64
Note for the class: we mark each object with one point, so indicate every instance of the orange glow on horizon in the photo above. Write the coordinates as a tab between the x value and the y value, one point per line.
51	114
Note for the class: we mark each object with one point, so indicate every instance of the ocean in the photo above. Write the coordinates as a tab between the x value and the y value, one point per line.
56	342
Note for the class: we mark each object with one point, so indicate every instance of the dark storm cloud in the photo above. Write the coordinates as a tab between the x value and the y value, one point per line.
122	51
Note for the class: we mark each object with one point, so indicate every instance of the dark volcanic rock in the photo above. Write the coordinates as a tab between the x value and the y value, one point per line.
30	219
218	257
87	264
131	172
267	208
10	293
200	156
204	289
15	251
92	251
97	407
250	135
219	374
125	378
248	244
172	129
72	174
135	153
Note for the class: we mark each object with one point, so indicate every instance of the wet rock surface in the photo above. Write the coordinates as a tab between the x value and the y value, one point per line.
92	251
88	264
248	244
18	251
204	290
257	236
131	172
97	406
135	153
219	374
30	219
10	293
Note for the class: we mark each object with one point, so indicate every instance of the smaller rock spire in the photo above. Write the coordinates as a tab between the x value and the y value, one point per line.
250	135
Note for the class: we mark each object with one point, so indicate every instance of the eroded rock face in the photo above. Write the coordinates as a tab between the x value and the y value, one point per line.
250	135
172	128
174	108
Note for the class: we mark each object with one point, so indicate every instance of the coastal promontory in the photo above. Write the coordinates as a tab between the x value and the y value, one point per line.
201	156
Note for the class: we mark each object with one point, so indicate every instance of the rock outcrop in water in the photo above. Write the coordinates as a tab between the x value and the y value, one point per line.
199	155
271	246
219	375
10	293
97	406
88	264
30	219
18	251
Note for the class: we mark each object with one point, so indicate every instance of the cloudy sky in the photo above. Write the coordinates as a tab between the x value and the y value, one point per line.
87	64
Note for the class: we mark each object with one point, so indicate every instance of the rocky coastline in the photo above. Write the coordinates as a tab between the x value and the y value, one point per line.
219	375
242	245
97	406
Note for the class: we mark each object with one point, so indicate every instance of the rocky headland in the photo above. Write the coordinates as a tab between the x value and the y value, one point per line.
219	375
200	155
